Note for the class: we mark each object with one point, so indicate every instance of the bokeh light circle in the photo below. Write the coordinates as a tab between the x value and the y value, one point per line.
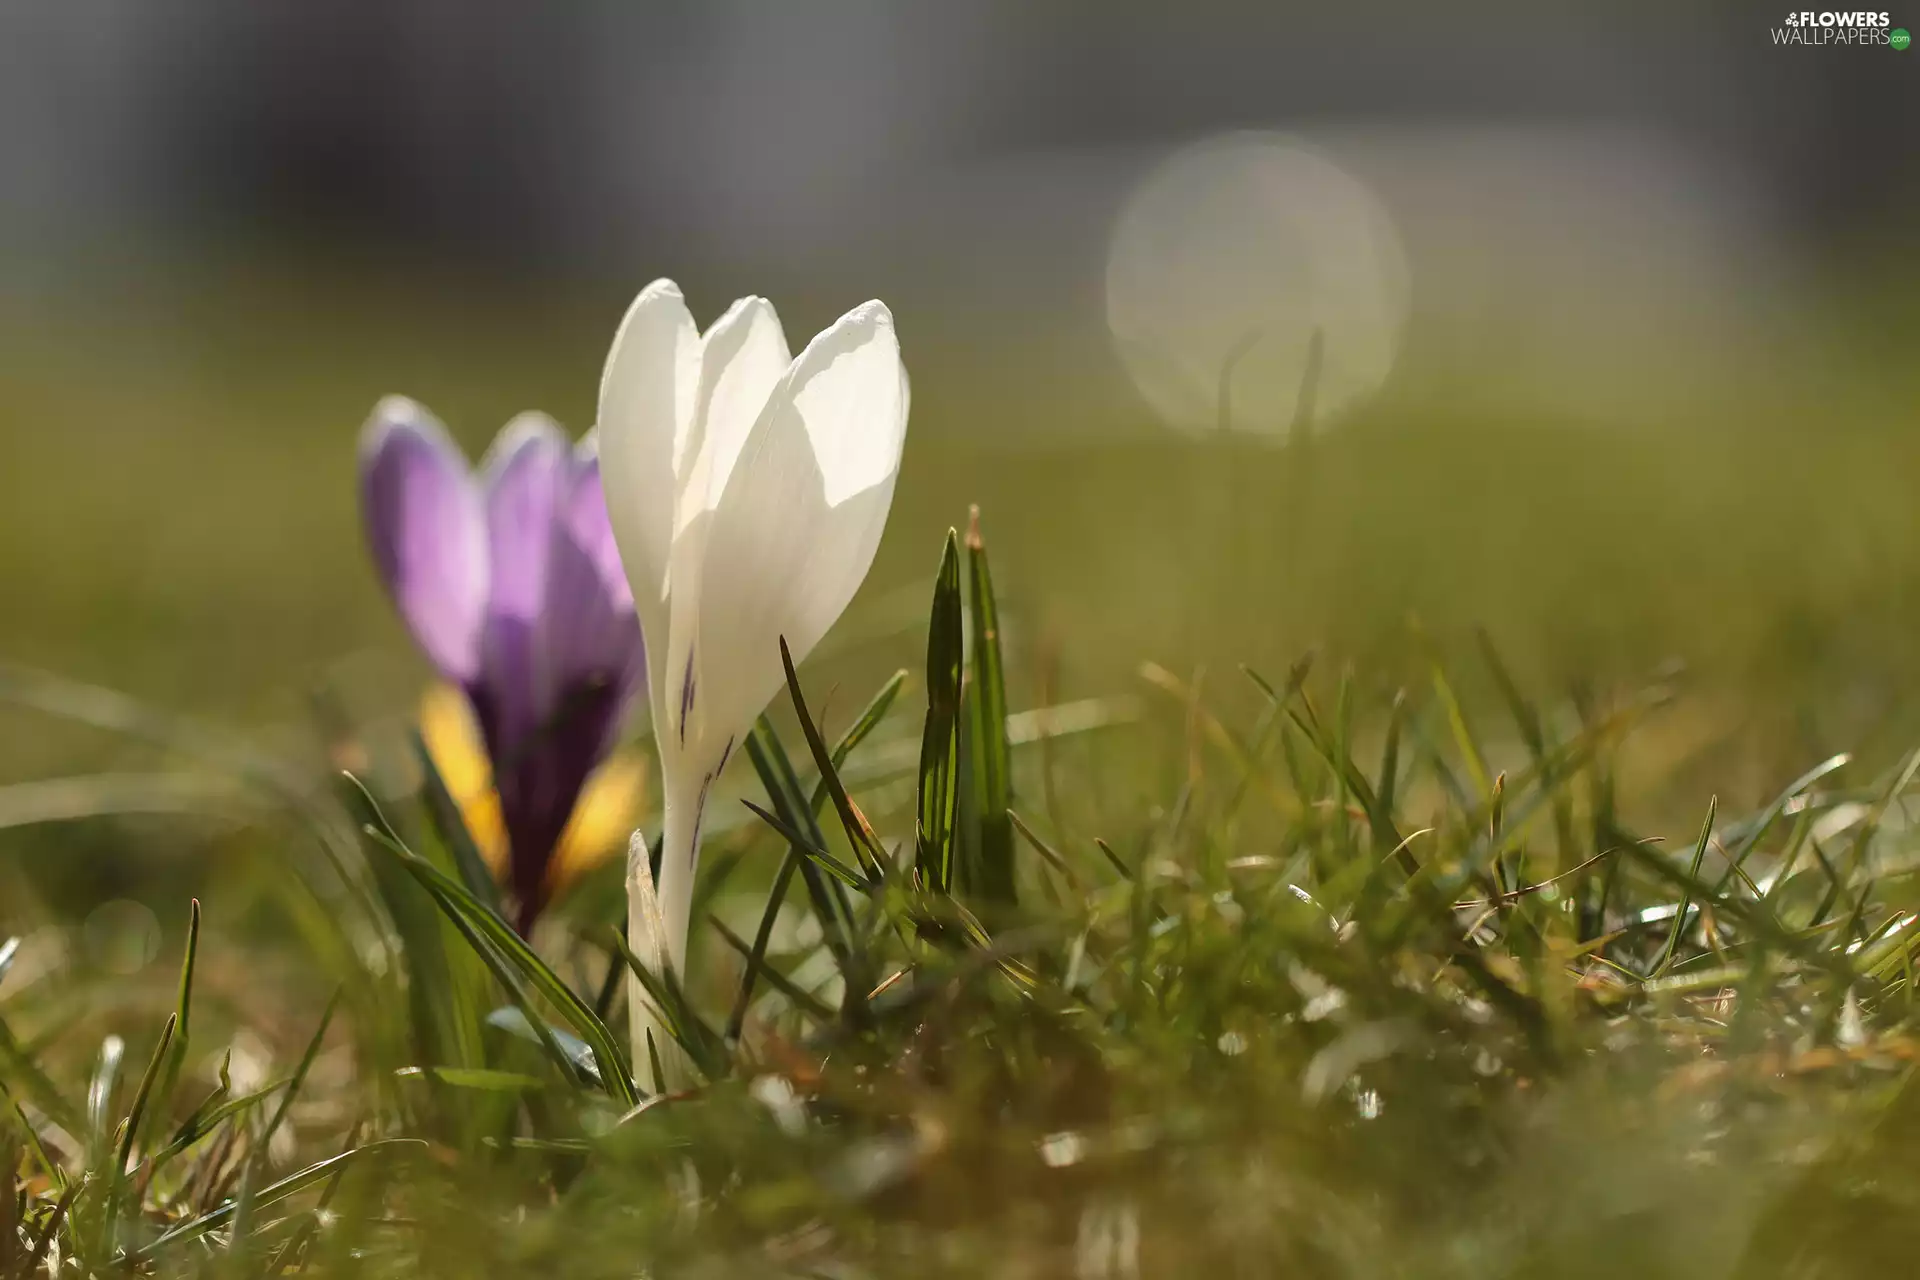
1224	262
122	936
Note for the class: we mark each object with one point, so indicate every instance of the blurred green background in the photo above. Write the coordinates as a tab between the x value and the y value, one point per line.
178	505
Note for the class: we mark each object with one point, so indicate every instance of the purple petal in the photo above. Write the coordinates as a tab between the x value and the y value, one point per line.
424	525
587	521
590	662
525	478
527	475
590	633
561	655
592	529
540	785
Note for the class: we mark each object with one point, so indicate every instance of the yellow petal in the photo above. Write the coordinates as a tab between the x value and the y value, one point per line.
604	817
453	740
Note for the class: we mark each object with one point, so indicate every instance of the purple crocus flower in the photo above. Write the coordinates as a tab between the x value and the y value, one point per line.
511	585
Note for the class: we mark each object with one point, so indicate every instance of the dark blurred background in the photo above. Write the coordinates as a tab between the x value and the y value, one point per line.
1645	390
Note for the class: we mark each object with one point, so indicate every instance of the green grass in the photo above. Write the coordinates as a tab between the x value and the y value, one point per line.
1359	990
1283	862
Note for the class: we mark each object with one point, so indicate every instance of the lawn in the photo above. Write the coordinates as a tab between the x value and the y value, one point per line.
1459	842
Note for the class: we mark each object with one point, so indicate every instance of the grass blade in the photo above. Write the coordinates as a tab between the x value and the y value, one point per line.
796	843
806	850
1686	894
513	961
451	827
702	1045
208	1117
866	845
290	1185
1387	838
484	1079
1526	719
116	1176
1742	838
106	1078
990	751
756	954
937	794
299	1077
868	720
829	899
443	985
575	1052
18	1068
183	1011
1462	732
476	921
52	1227
756	958
1387	788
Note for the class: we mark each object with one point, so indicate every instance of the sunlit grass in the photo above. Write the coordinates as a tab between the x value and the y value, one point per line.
1333	986
1372	910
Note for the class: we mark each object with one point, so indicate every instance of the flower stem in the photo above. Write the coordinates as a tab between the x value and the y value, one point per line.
657	920
679	861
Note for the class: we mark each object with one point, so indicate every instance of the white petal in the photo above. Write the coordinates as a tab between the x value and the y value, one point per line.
742	358
795	529
647	396
853	400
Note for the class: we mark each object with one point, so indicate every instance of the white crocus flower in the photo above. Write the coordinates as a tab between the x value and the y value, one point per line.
747	492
